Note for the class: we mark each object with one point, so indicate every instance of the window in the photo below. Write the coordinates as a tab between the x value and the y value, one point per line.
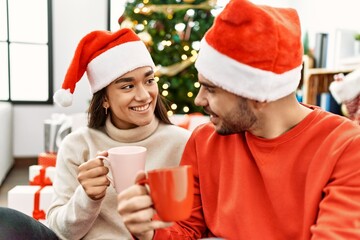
25	46
4	68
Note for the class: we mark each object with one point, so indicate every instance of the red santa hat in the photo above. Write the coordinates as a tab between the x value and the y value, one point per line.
104	56
253	51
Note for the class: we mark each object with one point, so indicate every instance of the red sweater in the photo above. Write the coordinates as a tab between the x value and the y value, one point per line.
304	184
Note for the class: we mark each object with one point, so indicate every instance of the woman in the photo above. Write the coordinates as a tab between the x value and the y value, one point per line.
126	109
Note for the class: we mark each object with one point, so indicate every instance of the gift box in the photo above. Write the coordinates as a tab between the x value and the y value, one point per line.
41	175
34	201
181	120
47	159
189	121
55	129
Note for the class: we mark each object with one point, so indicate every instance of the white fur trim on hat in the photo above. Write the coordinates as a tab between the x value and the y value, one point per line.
346	89
244	80
63	97
117	61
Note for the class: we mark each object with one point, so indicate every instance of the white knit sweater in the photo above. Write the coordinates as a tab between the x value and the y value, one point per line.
73	215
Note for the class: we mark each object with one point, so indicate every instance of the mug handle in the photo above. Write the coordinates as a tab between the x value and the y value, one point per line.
143	181
107	164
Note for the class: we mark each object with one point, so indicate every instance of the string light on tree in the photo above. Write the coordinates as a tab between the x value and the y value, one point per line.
165	93
165	86
170	113
173	106
186	109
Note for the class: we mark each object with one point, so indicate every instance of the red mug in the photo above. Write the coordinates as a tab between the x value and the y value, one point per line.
172	192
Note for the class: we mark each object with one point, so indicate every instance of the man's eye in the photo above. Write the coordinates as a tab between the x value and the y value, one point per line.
209	89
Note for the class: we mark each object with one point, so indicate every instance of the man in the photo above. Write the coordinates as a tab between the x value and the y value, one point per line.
266	167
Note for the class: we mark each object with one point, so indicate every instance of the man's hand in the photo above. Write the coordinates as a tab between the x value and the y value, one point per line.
136	208
92	177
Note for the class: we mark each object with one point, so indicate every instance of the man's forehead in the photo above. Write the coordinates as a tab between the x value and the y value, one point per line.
204	81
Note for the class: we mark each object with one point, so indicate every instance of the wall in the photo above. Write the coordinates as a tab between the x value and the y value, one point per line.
326	16
322	15
275	3
6	148
71	21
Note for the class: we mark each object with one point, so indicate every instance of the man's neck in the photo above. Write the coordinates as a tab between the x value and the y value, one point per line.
278	117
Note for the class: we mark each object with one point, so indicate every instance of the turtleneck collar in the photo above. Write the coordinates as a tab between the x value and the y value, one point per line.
130	135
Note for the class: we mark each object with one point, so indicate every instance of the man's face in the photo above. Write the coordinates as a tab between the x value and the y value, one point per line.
228	112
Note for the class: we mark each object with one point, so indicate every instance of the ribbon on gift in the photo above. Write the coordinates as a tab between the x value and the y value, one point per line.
41	179
38	213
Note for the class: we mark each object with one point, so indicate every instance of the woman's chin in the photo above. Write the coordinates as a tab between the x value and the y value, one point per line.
144	121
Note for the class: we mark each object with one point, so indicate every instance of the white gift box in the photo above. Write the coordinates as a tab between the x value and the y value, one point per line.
34	201
40	175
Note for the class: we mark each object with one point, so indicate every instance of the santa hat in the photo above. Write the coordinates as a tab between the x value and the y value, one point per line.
104	56
346	89
253	51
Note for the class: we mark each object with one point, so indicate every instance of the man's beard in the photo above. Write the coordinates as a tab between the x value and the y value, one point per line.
237	121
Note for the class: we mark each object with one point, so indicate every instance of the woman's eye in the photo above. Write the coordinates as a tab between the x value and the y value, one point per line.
150	81
127	87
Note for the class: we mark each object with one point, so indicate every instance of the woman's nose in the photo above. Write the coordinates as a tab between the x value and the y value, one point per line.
142	93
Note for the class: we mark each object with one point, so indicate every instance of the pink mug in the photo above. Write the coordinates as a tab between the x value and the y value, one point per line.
172	191
124	163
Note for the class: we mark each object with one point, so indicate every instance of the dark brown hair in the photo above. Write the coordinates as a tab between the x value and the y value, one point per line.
97	116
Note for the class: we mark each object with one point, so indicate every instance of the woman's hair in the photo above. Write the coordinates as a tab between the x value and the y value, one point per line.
97	115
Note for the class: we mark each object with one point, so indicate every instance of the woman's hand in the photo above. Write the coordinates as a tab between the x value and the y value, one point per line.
92	177
136	208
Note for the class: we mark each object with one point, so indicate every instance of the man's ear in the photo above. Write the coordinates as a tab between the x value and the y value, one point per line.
257	105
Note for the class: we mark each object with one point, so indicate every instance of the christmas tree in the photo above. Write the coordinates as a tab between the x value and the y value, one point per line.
172	30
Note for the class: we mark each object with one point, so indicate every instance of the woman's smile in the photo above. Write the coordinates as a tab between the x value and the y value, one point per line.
140	108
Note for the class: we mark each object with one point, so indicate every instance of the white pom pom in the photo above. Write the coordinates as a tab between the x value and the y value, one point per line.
63	97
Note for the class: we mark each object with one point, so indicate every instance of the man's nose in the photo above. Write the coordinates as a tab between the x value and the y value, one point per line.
199	99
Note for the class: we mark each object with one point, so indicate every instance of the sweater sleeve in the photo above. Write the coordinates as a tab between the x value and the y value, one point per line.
194	227
339	210
72	213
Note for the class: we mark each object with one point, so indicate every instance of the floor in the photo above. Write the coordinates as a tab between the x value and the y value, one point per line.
18	175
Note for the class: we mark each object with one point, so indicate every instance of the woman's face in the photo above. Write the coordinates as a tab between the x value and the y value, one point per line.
132	98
